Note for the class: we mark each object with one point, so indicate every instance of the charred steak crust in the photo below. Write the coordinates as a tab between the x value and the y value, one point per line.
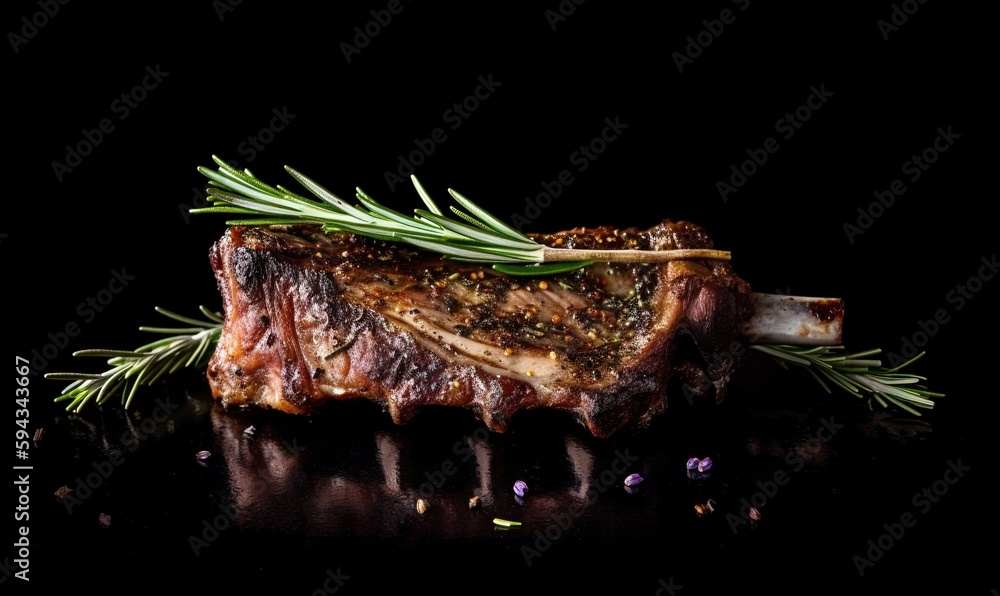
311	317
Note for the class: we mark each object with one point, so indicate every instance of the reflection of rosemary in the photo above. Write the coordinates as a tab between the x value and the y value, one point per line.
185	347
858	374
480	237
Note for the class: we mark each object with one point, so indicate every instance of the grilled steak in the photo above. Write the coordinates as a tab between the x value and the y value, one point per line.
311	317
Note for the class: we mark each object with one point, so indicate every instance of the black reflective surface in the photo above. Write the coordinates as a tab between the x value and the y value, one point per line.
280	500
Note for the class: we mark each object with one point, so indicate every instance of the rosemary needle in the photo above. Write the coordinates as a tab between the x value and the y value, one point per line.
505	522
476	235
188	347
857	374
183	348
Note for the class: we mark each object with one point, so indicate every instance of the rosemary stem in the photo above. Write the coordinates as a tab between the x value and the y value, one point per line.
550	255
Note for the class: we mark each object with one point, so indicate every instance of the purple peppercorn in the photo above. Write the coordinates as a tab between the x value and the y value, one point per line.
693	463
705	465
633	479
520	488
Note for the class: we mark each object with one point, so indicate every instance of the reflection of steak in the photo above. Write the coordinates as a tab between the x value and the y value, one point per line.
312	317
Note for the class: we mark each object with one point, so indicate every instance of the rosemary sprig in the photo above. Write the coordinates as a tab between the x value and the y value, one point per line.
858	374
479	237
475	236
184	348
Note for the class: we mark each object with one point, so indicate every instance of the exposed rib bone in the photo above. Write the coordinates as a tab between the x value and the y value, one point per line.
795	320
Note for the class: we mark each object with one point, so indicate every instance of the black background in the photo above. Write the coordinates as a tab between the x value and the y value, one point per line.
123	208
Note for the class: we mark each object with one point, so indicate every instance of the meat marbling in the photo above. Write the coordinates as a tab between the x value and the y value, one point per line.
312	317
